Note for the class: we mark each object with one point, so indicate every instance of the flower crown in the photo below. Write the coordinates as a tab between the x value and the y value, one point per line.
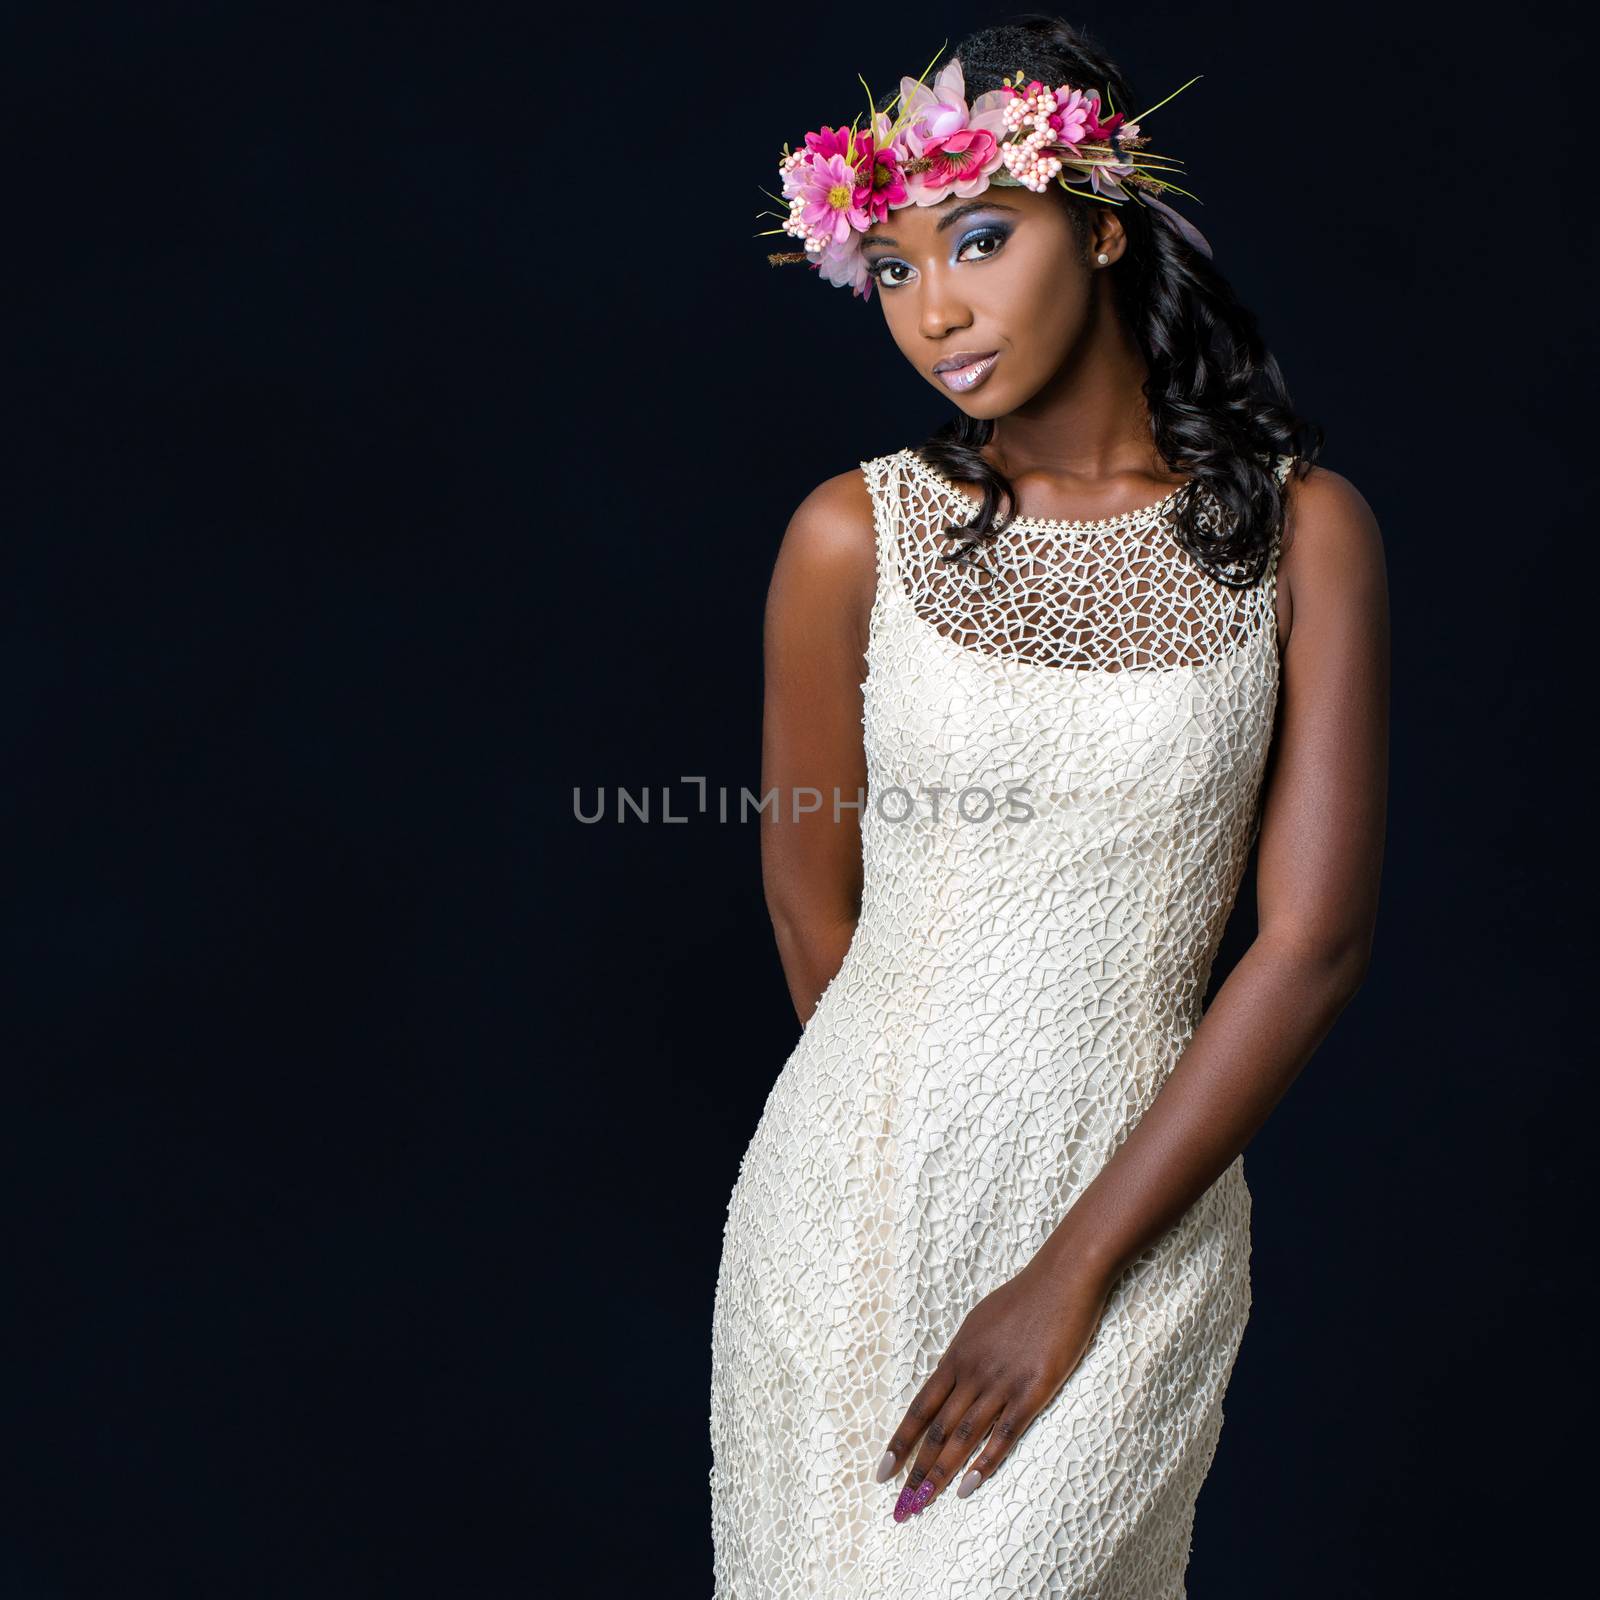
1024	133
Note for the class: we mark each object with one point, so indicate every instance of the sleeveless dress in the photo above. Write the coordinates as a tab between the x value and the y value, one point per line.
1065	756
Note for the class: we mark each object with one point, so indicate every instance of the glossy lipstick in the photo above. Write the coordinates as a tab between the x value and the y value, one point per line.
966	369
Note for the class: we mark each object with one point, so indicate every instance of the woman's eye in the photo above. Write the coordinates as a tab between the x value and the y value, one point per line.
883	270
982	246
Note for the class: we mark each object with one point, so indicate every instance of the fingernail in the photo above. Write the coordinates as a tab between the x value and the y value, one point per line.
969	1483
902	1506
886	1467
912	1501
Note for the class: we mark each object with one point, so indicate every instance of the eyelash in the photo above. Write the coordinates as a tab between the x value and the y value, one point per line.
1000	235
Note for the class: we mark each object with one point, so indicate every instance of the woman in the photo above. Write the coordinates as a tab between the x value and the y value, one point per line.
1077	654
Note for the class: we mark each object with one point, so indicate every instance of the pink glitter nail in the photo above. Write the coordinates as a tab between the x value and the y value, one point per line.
912	1501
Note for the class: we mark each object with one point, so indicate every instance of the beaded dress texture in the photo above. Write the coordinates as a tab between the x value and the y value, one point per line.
1065	757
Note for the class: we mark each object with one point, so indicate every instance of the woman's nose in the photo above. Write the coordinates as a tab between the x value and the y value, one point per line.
943	310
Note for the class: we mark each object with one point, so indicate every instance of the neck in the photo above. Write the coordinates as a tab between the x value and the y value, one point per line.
1090	423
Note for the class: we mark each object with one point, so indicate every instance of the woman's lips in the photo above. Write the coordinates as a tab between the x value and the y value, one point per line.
965	370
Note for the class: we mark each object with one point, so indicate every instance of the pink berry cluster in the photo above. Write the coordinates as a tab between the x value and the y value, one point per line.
1043	117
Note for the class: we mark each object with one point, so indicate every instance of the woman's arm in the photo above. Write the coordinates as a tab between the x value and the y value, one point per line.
811	737
1319	861
1320	856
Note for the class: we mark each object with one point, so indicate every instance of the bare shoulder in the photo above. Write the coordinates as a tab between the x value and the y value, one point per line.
833	524
1333	555
827	564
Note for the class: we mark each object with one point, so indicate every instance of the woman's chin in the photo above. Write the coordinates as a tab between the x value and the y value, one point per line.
984	407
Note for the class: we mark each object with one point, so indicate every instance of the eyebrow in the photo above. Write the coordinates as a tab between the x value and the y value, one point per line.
948	220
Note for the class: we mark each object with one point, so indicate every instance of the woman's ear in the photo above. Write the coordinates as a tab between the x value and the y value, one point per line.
1106	237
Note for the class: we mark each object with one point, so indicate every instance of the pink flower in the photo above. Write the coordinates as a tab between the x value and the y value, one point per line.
844	266
831	142
933	113
1072	115
873	159
962	162
828	200
1104	178
1096	129
962	141
880	182
988	111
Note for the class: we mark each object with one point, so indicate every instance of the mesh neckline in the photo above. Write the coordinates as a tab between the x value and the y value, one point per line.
1055	524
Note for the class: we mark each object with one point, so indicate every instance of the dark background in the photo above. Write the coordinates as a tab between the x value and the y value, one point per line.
394	445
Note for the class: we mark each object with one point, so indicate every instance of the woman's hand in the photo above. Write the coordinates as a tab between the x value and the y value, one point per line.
1016	1348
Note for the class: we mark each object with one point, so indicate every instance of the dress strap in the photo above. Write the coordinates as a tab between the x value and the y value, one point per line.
886	483
1269	583
1280	470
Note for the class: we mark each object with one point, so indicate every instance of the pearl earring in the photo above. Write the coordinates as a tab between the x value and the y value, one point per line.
1102	258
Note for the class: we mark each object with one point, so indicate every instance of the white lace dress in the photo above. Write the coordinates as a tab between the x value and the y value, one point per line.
1064	766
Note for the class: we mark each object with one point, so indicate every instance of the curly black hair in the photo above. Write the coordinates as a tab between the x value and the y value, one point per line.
1219	408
